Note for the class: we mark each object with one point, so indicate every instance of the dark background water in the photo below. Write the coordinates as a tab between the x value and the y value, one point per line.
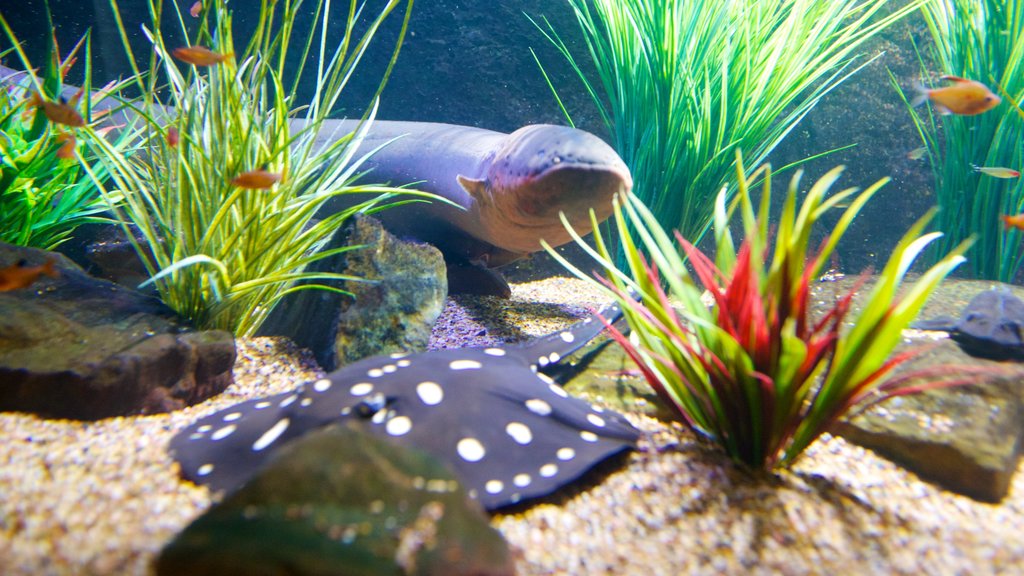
469	62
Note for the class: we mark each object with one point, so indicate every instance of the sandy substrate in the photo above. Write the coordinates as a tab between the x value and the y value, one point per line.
103	497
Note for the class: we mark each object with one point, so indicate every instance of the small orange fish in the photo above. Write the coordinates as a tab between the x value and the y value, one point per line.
173	137
1013	221
196	9
200	55
21	275
964	97
67	149
58	112
917	153
997	172
256	179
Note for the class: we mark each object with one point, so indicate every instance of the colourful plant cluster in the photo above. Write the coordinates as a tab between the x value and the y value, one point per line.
757	372
45	188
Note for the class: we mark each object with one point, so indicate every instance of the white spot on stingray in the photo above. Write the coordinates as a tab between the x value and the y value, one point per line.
204	428
465	365
374	372
232	417
471	450
543	361
361	389
494	486
389	368
380	416
204	470
558	390
521	480
223	432
596	420
538	406
403	363
565	454
399	426
271	435
554	357
322	385
261	405
596	408
195	436
494	351
346	410
549	470
519	432
430	393
287	401
567	337
547	379
396	355
588	436
306	402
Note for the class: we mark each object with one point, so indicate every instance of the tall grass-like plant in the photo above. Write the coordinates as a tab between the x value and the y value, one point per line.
222	254
45	191
981	40
683	84
757	373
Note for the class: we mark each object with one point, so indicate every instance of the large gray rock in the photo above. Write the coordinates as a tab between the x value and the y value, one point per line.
79	347
341	501
393	310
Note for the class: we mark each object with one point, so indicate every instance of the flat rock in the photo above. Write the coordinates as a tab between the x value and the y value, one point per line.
341	501
79	347
393	311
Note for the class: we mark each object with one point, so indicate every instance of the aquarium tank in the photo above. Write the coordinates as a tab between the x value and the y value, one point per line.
527	287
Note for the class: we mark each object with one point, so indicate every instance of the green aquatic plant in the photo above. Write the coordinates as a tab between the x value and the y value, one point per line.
681	85
233	175
758	373
45	189
980	40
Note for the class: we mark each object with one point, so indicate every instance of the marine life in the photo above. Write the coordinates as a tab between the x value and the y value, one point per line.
508	431
997	172
20	275
57	112
200	55
196	9
990	326
1013	221
964	97
67	147
173	137
917	153
254	179
509	189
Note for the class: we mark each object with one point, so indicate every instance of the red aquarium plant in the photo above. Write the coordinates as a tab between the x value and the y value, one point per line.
757	372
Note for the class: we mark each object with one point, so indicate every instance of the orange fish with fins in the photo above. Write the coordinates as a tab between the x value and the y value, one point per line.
1012	221
57	112
256	179
964	97
21	275
200	55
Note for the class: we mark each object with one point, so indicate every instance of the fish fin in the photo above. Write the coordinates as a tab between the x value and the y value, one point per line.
49	270
953	78
548	350
476	187
465	277
922	95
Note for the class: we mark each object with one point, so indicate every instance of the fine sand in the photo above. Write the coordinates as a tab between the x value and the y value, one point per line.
103	497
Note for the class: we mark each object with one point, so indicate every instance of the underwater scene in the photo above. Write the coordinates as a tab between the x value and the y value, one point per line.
386	287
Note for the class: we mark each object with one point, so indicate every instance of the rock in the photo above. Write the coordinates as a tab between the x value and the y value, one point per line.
393	312
79	347
341	501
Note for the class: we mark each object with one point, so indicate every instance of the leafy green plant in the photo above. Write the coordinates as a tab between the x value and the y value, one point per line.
222	251
984	41
683	84
757	373
45	191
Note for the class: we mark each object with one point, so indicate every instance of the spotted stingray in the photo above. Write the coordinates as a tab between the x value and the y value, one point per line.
507	430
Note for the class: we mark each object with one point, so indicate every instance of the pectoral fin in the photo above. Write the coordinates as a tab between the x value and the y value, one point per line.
476	187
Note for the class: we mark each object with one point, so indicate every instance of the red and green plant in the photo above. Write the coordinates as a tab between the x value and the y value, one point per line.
758	372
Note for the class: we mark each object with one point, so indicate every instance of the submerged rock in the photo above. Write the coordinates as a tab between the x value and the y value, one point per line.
393	310
78	347
342	502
